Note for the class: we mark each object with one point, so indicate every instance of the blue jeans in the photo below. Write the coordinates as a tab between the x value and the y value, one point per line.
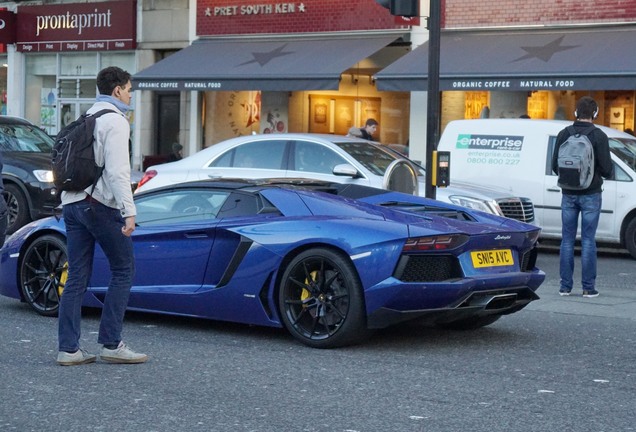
87	223
589	207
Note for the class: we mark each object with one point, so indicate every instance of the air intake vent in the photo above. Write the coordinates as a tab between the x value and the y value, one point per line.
428	268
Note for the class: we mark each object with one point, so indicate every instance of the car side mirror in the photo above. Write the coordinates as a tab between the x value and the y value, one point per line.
345	170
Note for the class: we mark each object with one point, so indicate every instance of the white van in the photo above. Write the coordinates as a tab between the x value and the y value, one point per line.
516	154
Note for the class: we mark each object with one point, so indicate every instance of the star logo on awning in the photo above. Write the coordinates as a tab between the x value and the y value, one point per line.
545	52
262	58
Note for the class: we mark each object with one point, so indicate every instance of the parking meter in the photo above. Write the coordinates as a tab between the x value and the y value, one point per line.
441	168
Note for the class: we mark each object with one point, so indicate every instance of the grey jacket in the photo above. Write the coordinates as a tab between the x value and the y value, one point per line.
112	132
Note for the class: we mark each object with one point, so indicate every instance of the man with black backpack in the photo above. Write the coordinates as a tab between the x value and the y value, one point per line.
581	159
103	212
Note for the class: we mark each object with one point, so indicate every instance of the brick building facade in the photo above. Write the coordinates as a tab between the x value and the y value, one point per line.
491	13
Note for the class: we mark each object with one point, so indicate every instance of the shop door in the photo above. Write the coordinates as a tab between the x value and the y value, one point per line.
167	122
70	110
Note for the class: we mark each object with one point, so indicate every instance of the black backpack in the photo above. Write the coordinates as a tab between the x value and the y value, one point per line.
73	157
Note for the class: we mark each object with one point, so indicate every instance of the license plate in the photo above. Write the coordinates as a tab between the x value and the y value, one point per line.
492	258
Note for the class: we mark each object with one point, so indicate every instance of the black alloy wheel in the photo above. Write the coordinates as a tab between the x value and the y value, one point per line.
17	208
43	273
321	300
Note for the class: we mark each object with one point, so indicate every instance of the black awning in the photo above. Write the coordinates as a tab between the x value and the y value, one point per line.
280	64
563	59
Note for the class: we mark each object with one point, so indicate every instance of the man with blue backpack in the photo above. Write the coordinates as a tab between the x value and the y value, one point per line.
581	159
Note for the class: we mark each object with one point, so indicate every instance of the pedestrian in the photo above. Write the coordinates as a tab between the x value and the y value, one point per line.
585	202
354	132
106	216
176	153
370	126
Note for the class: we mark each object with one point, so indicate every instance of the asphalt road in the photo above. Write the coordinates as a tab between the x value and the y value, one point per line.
562	364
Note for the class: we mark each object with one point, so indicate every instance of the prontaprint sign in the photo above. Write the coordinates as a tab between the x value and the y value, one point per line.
103	26
77	22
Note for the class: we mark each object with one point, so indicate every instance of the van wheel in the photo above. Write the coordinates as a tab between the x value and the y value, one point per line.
630	238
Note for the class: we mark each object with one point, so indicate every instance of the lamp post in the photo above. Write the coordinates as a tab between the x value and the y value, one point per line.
434	101
411	8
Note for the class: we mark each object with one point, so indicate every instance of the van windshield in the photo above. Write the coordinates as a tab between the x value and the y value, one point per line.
625	150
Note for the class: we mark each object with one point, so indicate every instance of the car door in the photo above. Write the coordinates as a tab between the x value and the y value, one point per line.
261	158
172	244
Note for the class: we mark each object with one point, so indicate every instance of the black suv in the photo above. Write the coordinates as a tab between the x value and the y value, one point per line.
28	180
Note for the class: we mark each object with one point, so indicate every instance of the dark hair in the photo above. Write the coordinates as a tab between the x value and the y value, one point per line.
586	108
371	122
111	77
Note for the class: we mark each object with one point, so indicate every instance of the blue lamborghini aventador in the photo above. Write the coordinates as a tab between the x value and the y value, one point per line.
328	262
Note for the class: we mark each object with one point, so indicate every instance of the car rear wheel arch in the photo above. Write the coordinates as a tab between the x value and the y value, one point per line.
328	315
294	253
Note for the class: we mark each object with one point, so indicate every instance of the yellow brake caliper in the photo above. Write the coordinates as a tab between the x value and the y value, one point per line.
63	278
305	294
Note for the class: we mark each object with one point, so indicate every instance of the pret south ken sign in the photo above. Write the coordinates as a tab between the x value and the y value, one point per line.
102	26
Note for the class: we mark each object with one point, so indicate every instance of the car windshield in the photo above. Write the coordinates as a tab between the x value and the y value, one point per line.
625	149
24	138
373	157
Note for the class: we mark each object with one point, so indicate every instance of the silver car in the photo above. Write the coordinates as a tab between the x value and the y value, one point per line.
327	157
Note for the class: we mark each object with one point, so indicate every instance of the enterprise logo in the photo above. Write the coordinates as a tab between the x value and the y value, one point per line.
503	237
489	142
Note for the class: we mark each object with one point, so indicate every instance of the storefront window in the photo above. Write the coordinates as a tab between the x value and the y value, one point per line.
77	88
124	61
61	87
41	92
78	64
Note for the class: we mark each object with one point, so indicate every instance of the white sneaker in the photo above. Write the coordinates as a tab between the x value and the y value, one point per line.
122	354
79	357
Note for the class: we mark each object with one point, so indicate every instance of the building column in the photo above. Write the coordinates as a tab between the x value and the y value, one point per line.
15	82
194	141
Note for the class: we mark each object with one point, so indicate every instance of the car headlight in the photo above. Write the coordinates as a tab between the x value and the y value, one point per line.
476	204
44	176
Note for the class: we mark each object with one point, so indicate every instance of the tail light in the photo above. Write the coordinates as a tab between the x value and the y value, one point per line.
435	243
148	175
533	236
